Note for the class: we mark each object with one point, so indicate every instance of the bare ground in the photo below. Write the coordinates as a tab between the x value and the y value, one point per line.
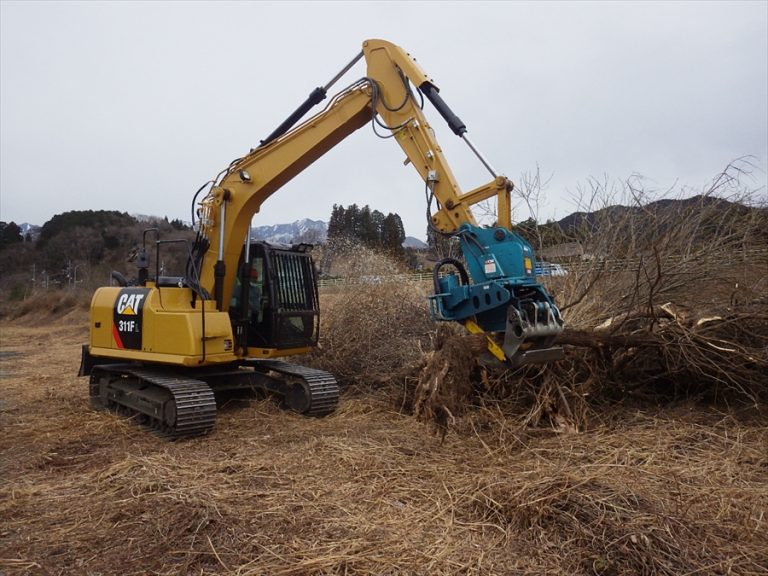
678	489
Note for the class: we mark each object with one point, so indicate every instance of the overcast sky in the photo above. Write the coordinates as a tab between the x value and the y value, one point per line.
131	106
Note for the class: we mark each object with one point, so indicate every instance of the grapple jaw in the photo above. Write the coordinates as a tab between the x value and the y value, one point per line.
530	333
496	294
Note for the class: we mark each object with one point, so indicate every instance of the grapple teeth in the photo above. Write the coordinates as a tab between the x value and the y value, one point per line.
530	332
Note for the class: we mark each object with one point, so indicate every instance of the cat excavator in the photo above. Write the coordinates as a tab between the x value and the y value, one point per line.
160	346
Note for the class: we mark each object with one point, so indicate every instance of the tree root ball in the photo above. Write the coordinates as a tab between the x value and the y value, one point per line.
444	386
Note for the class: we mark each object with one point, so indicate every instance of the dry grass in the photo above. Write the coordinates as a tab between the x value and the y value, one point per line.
676	490
375	327
564	471
41	306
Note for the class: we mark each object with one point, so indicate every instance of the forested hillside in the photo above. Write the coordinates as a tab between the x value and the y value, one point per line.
77	250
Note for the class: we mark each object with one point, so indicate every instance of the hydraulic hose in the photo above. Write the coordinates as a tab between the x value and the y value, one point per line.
446	262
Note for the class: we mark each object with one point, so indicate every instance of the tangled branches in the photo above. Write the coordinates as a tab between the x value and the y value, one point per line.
670	352
669	296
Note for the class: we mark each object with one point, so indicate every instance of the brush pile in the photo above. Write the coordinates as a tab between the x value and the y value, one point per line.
673	302
723	352
668	300
669	303
374	324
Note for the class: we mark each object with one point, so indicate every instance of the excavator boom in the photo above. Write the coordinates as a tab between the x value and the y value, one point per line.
493	290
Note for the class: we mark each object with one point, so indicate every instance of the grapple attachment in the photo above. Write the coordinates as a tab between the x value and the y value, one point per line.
532	327
497	294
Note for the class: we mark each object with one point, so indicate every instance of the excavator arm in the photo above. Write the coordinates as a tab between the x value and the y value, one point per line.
393	69
493	291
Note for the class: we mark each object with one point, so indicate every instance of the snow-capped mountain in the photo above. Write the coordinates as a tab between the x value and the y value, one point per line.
31	229
305	230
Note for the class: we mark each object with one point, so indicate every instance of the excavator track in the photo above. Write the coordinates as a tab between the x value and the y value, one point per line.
178	406
175	406
306	390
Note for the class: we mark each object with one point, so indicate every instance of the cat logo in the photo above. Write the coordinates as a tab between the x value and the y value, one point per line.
128	318
129	303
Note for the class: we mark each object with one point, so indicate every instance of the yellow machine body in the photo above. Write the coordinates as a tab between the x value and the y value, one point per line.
164	325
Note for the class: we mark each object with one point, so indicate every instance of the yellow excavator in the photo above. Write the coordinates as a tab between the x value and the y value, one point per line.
160	346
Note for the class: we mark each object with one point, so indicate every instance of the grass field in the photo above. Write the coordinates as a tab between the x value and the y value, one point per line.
680	488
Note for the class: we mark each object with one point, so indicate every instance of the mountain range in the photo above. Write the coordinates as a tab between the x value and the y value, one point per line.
316	231
304	230
665	207
310	231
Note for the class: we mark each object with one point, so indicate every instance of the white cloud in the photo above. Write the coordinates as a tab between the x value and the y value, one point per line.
131	106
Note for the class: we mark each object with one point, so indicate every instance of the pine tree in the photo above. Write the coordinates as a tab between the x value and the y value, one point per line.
336	223
368	227
352	222
370	235
393	234
378	222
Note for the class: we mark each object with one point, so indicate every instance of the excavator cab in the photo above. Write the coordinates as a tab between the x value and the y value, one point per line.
275	304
